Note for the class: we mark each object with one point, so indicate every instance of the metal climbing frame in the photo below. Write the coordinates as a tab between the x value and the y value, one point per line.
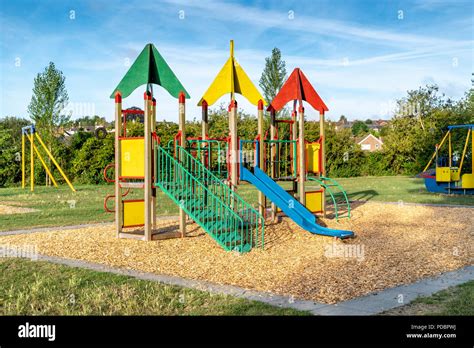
283	167
212	153
338	198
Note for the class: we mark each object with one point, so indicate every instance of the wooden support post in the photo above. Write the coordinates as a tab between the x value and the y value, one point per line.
273	155
261	164
147	182
118	164
22	159
182	128
32	163
322	135
205	147
153	191
205	133
234	146
294	137
301	158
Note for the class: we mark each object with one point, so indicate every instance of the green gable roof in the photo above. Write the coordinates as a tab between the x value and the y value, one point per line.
149	67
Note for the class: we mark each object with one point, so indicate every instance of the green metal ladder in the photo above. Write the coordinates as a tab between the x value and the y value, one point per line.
222	213
338	196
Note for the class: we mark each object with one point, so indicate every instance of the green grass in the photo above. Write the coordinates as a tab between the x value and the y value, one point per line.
41	288
397	188
456	300
61	207
56	208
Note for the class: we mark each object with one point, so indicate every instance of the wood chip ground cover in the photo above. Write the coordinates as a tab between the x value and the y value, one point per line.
395	244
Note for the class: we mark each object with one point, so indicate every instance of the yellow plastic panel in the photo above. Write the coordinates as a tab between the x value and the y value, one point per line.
133	157
133	213
314	201
467	181
312	156
443	174
455	174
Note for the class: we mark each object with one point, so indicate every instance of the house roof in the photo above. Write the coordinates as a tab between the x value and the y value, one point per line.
370	135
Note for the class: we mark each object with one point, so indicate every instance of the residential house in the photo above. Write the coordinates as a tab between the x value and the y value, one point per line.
343	124
370	143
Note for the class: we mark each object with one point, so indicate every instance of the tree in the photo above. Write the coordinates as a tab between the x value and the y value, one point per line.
343	119
48	101
418	126
359	128
10	149
343	157
420	103
273	76
91	159
368	121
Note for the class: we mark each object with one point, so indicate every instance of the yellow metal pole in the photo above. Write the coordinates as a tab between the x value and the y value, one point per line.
464	150
232	72
55	163
32	166
22	160
44	164
450	150
434	154
472	149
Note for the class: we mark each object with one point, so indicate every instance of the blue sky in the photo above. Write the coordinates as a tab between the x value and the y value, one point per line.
360	55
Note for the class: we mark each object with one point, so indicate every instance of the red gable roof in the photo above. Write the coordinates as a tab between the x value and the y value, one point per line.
297	87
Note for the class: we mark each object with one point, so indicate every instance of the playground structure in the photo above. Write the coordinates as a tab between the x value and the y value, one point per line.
30	133
307	159
194	176
448	177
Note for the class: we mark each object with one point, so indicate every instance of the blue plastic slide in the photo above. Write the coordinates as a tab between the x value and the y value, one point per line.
288	204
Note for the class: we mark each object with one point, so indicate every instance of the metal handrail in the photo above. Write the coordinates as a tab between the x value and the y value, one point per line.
204	202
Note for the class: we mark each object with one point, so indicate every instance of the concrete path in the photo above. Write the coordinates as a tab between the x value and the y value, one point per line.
366	305
53	228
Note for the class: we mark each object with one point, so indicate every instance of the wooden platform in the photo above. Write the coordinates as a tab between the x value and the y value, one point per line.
155	235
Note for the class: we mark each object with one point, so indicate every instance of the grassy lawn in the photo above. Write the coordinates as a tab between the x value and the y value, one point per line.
42	288
60	206
457	300
396	188
385	189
